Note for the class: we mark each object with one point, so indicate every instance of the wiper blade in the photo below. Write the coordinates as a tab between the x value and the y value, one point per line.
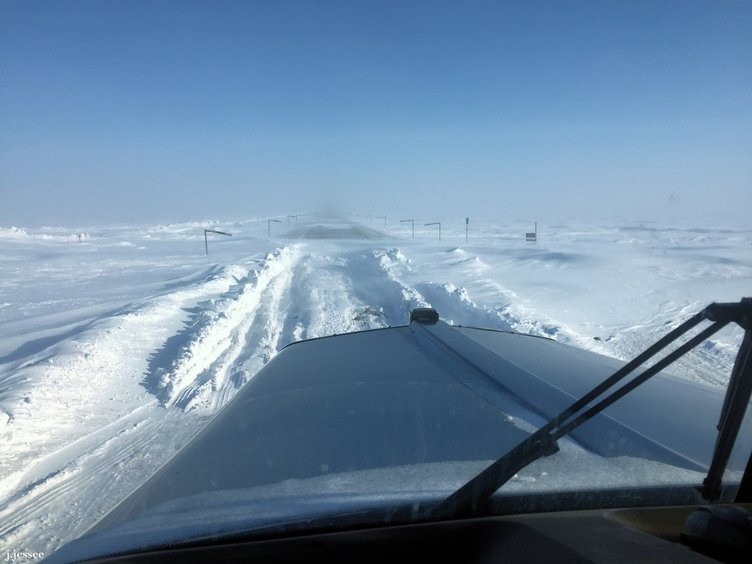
471	498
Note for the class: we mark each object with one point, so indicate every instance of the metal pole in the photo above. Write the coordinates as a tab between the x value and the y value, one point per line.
412	221
269	226
436	223
206	244
467	227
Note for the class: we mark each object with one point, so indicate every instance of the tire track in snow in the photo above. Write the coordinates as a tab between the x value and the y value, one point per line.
50	511
259	341
295	295
76	423
216	339
323	302
93	379
255	343
30	504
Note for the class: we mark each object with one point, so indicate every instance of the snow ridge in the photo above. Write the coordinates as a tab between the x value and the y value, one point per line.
215	337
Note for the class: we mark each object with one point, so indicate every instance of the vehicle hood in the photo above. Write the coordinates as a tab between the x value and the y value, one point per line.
381	407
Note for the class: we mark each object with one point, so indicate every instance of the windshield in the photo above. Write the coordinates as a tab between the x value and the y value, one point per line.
188	188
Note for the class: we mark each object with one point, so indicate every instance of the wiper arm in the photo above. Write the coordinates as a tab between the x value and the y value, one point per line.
471	498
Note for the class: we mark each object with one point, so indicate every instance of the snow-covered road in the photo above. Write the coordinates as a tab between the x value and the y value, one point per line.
115	350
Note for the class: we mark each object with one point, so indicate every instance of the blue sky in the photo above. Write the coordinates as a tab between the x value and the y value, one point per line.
136	110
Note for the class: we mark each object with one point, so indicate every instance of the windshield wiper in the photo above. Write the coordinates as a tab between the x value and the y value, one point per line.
471	498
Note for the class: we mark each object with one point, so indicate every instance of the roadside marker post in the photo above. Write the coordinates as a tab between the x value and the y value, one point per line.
532	237
269	226
206	240
412	222
435	223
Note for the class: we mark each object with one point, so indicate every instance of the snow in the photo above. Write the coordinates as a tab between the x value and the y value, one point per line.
118	345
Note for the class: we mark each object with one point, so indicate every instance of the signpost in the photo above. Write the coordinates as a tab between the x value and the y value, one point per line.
206	240
532	237
467	227
412	221
435	223
269	226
